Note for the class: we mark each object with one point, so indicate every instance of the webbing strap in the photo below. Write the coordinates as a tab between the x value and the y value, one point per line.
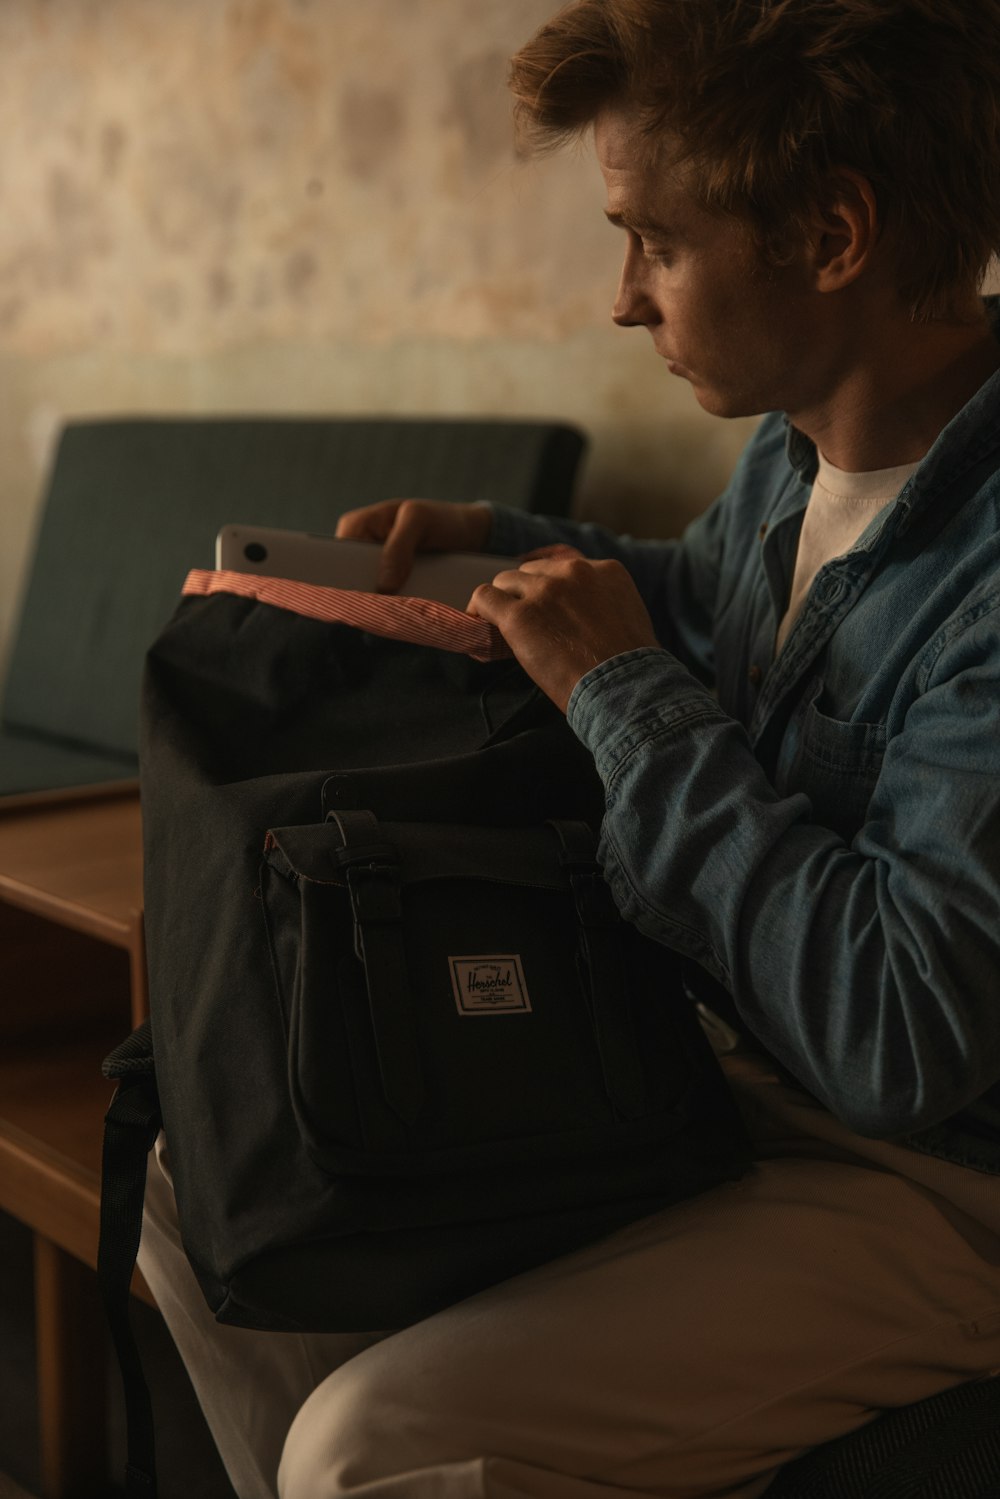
131	1125
376	901
601	951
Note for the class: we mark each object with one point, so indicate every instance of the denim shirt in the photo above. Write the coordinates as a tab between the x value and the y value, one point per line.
821	831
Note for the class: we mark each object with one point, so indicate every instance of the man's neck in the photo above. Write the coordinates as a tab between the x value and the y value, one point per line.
900	392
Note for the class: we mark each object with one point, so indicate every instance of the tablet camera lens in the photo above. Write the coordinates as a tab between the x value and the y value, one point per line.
254	552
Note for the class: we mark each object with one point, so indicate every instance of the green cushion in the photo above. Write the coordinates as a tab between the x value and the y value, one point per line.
30	762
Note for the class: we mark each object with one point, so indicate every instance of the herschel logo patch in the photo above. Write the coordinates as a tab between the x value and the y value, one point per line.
490	984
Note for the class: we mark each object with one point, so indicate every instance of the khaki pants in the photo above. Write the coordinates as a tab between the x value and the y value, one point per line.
688	1356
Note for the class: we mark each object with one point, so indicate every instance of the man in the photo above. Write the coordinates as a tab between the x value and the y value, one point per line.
795	711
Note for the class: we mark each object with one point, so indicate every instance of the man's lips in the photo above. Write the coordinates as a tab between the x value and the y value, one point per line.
672	364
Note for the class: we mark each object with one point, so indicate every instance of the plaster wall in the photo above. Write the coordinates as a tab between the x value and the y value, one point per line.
309	206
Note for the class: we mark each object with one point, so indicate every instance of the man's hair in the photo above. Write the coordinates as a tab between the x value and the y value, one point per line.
764	98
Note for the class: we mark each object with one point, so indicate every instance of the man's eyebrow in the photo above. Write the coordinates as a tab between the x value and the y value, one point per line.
623	218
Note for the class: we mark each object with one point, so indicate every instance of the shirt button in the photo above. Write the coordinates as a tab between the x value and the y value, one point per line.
763	531
755	674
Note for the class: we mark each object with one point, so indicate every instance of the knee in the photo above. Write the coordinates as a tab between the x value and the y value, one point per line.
337	1438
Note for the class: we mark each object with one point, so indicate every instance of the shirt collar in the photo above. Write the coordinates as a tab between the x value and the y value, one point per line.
968	437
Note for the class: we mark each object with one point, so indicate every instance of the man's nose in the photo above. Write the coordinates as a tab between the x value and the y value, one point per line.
632	306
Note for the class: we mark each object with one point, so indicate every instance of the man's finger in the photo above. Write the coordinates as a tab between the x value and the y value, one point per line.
369	523
511	580
490	602
400	547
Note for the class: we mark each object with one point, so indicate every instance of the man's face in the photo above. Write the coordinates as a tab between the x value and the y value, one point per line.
739	330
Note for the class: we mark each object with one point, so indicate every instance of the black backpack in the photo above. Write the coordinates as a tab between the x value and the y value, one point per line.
404	1044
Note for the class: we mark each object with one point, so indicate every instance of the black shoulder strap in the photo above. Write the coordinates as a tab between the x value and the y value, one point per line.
131	1126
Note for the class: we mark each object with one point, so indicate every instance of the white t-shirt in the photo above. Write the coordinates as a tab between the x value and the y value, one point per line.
840	507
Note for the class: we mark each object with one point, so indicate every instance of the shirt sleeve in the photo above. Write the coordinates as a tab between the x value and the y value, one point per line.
868	969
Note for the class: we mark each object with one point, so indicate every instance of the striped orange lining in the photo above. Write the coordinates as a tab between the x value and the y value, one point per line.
419	621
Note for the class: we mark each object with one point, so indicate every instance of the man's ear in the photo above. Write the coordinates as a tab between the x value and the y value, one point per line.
843	231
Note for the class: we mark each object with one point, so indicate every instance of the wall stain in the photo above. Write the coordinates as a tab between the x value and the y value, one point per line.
300	273
114	140
221	287
480	106
371	127
265	27
10	312
68	202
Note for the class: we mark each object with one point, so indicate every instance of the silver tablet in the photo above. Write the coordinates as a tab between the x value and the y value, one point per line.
449	577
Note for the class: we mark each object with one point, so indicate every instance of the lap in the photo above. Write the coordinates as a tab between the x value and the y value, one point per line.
687	1356
690	1354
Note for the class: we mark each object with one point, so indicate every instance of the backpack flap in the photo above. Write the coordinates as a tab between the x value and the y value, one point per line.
467	1001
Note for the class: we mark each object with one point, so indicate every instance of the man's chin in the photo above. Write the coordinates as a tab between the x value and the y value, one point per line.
722	403
710	399
703	395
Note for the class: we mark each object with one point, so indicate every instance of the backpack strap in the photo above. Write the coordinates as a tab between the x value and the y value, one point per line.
603	962
371	867
131	1126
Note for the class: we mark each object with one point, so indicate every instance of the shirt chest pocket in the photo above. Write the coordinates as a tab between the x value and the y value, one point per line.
836	763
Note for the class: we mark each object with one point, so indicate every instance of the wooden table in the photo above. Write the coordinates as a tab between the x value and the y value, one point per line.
72	985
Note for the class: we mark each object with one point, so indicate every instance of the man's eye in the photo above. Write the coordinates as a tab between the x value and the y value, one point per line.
652	253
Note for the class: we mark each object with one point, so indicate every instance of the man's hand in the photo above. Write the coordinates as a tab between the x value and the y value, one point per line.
563	616
406	527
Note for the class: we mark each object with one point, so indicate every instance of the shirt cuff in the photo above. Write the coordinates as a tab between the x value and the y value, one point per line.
630	698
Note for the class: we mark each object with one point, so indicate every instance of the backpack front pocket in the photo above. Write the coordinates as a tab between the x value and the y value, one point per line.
458	995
